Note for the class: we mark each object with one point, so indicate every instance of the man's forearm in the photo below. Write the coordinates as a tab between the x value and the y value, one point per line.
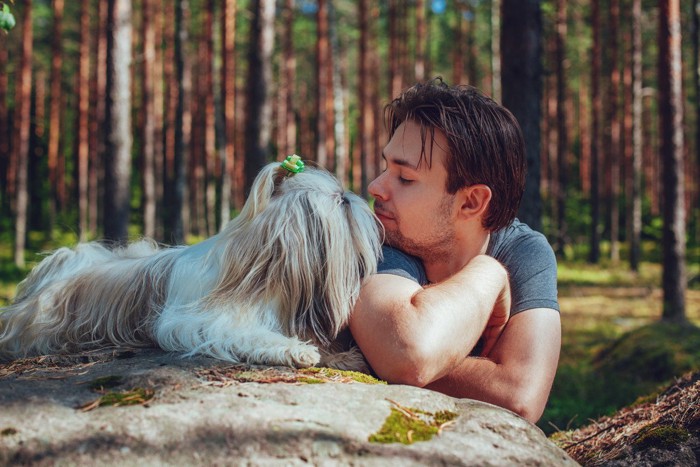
422	337
519	374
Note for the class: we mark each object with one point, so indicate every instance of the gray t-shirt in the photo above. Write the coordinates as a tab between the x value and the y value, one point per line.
525	253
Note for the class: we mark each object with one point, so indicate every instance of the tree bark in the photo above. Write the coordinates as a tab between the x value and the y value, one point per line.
496	50
613	146
596	114
118	122
228	91
671	130
55	106
148	114
421	40
259	106
83	122
23	99
4	129
637	102
562	137
323	77
521	37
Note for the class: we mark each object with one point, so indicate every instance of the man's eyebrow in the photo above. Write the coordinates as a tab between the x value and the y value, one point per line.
398	161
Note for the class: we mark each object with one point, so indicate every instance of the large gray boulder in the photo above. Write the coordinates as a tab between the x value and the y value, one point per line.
200	411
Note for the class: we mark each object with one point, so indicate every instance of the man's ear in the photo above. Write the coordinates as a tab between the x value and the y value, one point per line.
475	201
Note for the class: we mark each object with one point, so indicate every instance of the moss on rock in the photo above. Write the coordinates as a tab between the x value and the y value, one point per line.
660	436
408	425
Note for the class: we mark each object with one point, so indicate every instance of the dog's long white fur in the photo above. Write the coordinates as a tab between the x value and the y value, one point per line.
276	286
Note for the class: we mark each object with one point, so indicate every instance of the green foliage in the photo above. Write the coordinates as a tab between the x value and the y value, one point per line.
611	373
7	19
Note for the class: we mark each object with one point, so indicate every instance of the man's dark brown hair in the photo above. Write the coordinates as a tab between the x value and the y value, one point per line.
486	145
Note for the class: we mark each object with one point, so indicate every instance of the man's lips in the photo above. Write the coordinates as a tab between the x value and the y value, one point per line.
382	214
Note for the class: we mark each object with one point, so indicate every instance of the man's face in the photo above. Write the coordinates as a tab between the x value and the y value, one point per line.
417	213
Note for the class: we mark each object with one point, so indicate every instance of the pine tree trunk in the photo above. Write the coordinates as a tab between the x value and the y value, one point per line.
97	119
55	104
23	99
696	84
210	158
181	129
596	114
521	36
323	77
259	106
228	91
83	130
671	130
118	122
337	96
158	117
496	50
562	137
4	128
366	116
421	38
148	114
613	145
637	103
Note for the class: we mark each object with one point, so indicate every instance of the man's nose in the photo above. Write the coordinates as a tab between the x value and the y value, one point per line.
376	187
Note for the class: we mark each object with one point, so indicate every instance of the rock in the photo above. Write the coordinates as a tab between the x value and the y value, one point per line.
206	412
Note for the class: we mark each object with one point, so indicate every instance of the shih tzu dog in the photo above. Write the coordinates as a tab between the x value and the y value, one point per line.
275	287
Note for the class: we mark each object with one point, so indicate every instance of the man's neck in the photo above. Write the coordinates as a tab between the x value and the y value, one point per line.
464	251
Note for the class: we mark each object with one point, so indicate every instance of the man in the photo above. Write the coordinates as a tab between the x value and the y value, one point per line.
455	174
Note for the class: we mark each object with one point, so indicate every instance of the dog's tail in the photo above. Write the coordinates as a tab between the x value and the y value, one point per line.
109	298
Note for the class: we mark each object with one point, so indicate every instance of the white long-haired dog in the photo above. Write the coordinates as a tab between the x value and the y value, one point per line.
275	287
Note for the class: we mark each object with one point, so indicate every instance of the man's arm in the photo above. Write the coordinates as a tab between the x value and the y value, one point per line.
519	371
414	335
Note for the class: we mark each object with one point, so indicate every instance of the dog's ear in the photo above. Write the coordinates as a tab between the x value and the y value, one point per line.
261	192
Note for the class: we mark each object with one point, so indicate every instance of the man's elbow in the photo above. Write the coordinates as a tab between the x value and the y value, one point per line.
528	406
416	367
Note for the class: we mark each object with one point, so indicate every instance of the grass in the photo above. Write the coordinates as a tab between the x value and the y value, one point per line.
605	308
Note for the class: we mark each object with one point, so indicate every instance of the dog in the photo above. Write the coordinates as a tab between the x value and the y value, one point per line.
275	287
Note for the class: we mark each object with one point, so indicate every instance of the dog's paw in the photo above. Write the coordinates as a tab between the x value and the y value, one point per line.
303	355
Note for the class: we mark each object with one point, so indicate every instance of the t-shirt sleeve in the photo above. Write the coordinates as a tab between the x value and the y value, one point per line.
532	269
399	263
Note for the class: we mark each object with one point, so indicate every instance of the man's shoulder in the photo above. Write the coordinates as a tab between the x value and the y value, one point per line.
518	239
401	264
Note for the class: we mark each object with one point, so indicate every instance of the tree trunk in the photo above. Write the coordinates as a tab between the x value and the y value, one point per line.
323	77
671	130
636	176
562	137
337	96
228	91
55	105
596	114
421	40
4	130
148	114
23	99
83	130
118	122
97	119
179	105
461	46
521	36
210	159
696	82
613	145
259	106
496	50
366	122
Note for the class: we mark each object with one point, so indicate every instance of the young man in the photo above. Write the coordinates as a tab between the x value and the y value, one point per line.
455	174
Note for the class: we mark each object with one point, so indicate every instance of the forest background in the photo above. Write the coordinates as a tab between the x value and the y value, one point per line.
123	118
